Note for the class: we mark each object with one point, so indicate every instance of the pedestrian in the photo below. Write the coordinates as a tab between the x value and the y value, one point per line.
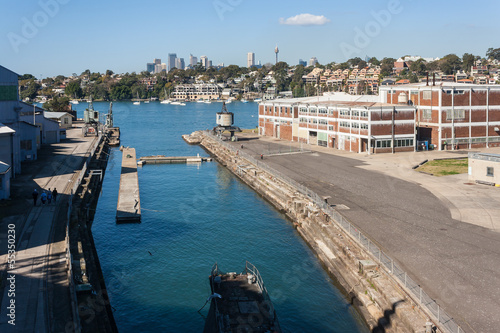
43	197
54	194
35	196
49	196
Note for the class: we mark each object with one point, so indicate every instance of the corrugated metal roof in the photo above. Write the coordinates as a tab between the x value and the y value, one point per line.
6	129
53	115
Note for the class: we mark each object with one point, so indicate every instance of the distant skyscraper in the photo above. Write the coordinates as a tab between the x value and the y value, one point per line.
303	62
150	67
157	61
204	61
313	61
209	64
192	60
157	68
250	59
276	50
179	63
171	60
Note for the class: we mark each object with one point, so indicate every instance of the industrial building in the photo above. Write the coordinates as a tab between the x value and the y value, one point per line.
484	168
452	115
23	128
341	121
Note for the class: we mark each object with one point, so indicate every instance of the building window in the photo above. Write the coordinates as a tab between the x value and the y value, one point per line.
403	143
26	144
489	171
323	122
312	110
364	126
345	112
364	114
458	114
427	114
65	121
383	143
344	124
322	111
330	128
427	94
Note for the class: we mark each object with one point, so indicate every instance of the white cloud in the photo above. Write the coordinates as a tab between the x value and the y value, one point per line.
305	19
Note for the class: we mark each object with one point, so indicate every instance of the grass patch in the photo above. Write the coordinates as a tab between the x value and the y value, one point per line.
446	167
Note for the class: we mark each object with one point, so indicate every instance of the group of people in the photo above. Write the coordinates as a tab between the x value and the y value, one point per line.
46	197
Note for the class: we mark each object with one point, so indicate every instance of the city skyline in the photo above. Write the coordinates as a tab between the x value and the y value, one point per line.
41	37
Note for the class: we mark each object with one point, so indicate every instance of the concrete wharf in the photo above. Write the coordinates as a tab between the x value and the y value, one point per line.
160	159
129	201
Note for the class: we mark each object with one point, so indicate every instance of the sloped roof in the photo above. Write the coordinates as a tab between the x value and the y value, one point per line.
54	115
4	167
6	129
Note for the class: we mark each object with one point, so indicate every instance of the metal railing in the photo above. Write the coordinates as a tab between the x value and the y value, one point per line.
444	321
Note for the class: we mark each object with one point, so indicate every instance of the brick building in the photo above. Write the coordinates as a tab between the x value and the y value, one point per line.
352	123
452	115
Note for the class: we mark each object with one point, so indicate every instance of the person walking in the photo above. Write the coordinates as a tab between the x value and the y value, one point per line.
49	196
35	196
54	195
43	198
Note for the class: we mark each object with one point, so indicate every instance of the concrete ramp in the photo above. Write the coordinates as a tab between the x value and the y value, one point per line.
129	201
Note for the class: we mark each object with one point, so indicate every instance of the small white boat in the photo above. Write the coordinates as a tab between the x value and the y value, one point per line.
182	104
137	102
199	101
75	102
257	100
208	101
175	103
146	102
166	101
244	101
229	101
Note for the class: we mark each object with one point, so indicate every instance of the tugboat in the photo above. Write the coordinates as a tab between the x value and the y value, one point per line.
240	303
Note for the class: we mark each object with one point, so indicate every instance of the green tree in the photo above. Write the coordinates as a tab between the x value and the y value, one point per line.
73	89
58	104
374	61
31	90
387	66
27	77
419	67
450	63
120	92
468	61
109	72
493	53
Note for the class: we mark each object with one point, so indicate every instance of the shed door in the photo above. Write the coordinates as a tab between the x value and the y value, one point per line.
51	137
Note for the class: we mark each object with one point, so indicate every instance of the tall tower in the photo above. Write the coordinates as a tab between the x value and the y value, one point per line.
276	50
250	59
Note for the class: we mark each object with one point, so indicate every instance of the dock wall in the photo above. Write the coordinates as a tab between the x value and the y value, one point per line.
92	309
380	300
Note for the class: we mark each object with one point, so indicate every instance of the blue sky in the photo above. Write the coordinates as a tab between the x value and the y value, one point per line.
69	36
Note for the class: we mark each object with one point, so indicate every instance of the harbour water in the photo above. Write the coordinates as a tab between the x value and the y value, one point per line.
157	272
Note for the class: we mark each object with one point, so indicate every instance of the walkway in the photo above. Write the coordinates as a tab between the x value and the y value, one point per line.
41	284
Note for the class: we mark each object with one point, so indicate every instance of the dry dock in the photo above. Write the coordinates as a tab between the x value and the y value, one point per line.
129	202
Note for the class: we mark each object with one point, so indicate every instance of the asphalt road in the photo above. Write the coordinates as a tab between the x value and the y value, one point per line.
456	263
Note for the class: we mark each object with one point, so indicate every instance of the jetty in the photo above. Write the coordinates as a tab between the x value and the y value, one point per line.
129	202
160	159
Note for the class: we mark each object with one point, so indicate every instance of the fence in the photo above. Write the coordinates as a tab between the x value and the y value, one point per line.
413	290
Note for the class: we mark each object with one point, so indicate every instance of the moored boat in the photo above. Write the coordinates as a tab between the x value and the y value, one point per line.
236	302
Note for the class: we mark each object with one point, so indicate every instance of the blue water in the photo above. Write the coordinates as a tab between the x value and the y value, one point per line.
194	216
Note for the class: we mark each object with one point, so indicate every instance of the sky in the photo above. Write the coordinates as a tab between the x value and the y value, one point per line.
52	37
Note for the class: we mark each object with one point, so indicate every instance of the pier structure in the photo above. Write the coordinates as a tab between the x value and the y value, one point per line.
129	201
160	159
